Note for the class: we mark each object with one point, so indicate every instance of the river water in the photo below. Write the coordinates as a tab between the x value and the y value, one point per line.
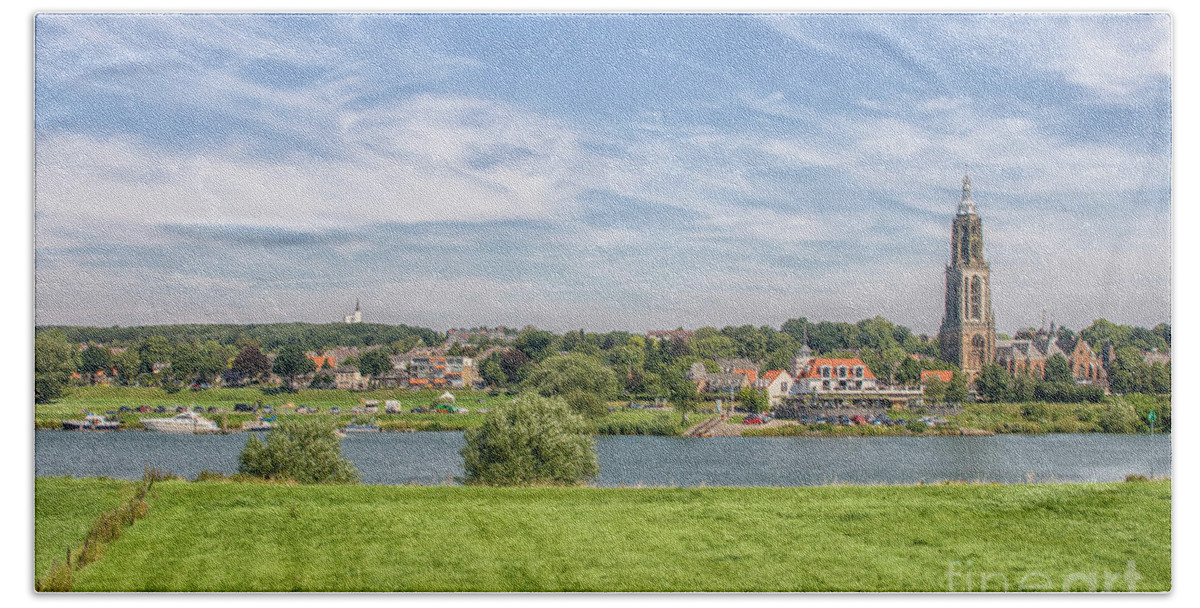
432	458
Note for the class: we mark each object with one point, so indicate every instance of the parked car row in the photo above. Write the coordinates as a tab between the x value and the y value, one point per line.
847	420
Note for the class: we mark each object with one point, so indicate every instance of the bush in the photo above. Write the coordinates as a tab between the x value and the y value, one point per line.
1119	417
305	450
588	405
661	425
916	426
533	440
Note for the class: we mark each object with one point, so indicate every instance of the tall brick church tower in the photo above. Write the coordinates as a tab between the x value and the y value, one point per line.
968	334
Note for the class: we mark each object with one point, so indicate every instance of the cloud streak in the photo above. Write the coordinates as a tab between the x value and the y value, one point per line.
252	168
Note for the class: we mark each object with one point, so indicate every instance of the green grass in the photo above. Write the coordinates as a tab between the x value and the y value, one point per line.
64	509
236	537
100	399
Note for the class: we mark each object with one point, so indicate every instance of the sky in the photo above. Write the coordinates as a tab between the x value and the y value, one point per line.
598	171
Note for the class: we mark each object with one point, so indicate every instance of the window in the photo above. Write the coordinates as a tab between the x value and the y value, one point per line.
825	369
841	371
976	297
783	386
858	371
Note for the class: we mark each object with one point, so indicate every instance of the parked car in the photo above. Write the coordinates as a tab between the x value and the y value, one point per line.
123	408
419	410
752	419
162	409
858	420
335	410
144	409
243	407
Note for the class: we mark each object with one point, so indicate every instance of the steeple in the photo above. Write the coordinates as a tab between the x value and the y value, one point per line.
966	206
356	306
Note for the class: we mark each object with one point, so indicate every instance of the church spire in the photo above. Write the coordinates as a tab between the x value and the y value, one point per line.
356	306
966	206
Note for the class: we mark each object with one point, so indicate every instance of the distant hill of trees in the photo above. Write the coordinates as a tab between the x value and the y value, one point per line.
271	336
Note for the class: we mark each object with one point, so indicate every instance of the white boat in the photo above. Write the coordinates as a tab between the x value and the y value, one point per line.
184	422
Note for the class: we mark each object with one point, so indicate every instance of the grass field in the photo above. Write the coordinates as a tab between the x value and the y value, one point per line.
224	536
63	511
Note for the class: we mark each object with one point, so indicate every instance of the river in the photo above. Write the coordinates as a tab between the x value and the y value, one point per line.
432	458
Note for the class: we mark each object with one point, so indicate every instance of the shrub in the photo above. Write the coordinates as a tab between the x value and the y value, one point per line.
1119	417
661	425
1136	477
588	405
305	450
533	440
916	426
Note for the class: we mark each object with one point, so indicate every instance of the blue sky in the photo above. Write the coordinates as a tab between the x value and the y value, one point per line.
598	172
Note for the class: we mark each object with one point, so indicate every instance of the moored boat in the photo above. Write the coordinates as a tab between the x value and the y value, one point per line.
91	422
361	428
184	422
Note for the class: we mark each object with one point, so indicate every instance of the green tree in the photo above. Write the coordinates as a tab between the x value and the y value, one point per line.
536	343
374	363
129	365
491	372
291	362
681	392
304	450
563	374
753	400
94	359
53	363
956	389
993	382
533	440
935	390
1058	370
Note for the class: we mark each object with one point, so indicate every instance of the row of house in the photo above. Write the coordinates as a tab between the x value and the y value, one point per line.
811	378
421	367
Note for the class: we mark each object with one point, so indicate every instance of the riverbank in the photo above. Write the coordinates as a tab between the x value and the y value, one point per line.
838	538
1115	414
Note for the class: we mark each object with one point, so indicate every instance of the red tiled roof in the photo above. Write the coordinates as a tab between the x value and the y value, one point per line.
770	376
940	374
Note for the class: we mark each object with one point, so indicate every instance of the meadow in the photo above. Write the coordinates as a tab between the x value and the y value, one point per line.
229	536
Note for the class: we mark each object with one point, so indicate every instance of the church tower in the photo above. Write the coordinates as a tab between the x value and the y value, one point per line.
968	333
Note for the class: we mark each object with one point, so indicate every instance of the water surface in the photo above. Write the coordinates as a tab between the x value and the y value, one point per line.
432	458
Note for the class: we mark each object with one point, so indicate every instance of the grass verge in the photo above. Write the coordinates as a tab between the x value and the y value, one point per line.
839	538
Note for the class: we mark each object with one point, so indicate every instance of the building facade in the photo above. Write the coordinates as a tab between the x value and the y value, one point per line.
968	333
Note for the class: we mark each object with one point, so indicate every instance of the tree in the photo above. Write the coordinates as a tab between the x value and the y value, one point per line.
374	363
536	343
304	450
935	390
129	365
491	372
754	400
956	390
533	440
515	364
993	382
53	362
94	359
563	374
291	362
1058	370
681	392
251	363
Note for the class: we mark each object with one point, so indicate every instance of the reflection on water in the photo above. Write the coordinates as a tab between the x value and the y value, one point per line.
432	458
